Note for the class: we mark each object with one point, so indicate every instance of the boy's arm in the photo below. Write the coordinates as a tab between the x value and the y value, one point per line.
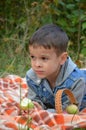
32	95
78	89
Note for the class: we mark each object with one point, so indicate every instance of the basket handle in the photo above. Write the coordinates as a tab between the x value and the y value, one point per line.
58	96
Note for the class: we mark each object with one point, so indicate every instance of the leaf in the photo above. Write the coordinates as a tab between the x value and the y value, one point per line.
84	26
56	2
79	63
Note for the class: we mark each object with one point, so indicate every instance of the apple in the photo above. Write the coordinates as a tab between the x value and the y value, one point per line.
30	105
72	109
26	104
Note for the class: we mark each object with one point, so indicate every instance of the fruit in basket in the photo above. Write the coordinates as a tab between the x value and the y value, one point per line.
72	109
26	104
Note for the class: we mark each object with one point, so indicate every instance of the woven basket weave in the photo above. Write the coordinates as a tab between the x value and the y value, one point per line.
58	101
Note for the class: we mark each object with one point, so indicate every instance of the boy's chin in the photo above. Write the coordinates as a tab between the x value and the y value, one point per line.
41	77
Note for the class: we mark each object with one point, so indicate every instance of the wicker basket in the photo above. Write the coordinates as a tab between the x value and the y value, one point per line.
58	101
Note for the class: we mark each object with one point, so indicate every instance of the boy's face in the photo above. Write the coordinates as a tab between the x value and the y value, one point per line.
45	62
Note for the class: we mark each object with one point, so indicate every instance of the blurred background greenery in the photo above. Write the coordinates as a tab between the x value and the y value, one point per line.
19	19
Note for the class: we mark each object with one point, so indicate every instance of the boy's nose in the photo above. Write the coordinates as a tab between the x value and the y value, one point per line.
38	63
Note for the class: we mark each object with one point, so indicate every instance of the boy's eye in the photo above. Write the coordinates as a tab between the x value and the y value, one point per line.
32	57
41	58
44	58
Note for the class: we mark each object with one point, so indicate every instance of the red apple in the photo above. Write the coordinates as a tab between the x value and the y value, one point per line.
72	109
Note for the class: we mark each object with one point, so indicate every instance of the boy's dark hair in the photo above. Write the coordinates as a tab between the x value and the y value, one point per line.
50	36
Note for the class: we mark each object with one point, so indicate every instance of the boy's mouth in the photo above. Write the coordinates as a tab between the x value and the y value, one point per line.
38	72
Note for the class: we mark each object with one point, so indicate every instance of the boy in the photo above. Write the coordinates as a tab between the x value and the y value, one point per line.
52	68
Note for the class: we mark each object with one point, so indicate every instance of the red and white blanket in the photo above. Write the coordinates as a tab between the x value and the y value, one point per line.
12	87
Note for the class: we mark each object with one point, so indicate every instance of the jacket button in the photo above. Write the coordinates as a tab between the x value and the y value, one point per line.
44	89
38	81
44	99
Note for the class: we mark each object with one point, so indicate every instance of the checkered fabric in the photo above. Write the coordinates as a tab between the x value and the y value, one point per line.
12	89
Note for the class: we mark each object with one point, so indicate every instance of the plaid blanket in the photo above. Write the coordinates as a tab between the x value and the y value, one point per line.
12	89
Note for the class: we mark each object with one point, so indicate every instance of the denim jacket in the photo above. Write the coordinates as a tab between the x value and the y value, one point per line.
70	77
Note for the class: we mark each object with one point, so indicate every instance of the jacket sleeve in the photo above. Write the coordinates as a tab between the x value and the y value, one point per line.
32	95
78	89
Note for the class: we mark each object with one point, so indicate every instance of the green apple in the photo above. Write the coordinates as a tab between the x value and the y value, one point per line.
26	104
30	105
72	109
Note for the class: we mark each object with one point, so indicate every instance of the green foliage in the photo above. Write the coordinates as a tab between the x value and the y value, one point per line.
19	19
72	18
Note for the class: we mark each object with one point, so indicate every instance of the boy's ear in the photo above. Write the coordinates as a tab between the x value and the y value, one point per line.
64	56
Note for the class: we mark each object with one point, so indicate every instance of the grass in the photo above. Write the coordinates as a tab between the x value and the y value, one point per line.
12	62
